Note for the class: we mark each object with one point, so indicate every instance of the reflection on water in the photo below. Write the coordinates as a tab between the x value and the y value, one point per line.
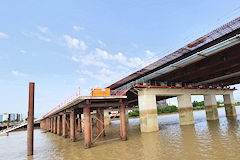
218	139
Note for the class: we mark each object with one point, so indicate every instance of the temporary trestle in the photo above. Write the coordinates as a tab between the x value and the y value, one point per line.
102	127
70	122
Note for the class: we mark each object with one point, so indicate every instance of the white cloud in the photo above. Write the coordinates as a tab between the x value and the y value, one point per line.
103	79
75	59
42	29
44	38
100	64
102	58
74	43
86	72
105	55
22	51
82	80
106	71
91	59
18	74
149	53
135	62
129	62
101	43
3	35
134	45
78	28
39	36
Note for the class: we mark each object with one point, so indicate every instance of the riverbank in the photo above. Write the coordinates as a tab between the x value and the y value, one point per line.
167	110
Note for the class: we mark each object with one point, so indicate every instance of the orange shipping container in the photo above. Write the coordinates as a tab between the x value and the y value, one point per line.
100	92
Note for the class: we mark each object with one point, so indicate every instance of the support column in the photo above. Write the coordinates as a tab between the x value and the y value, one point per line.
59	125
49	124
41	125
148	111
72	126
185	109
210	104
229	105
52	120
79	124
123	129
68	125
64	125
107	118
100	125
55	125
87	127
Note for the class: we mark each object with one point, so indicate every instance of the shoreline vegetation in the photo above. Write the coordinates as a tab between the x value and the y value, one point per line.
174	109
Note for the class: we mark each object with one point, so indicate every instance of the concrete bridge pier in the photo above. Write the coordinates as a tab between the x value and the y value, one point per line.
185	109
229	105
210	104
148	111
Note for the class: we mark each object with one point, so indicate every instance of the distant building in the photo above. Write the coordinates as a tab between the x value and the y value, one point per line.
5	117
18	117
13	117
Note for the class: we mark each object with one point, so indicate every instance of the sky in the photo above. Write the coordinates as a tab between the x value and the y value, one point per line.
66	45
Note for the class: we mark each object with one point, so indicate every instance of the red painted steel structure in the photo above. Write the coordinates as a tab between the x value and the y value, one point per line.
153	86
87	129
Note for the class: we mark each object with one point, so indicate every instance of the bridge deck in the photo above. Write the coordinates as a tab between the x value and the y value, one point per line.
81	101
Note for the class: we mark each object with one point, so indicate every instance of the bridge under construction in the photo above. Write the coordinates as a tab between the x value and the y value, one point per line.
207	66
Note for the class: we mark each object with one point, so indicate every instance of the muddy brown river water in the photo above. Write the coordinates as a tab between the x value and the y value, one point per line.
213	140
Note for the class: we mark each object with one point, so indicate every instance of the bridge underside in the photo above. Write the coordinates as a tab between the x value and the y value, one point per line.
217	69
